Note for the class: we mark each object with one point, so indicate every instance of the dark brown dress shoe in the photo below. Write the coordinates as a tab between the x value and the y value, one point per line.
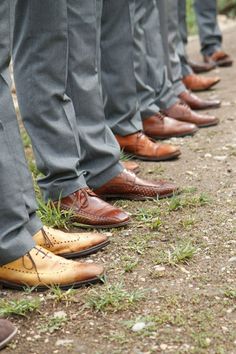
199	83
128	186
195	102
219	58
142	147
160	126
199	68
7	333
89	210
183	113
131	166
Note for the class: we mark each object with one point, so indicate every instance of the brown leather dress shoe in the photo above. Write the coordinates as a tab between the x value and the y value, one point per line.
199	83
7	333
128	186
142	147
160	126
89	210
41	269
199	68
183	113
195	102
70	245
131	166
219	58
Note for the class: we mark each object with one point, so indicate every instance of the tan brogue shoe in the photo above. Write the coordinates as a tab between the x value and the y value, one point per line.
90	211
160	126
41	269
70	245
199	83
219	58
7	332
128	186
131	166
183	113
142	147
195	102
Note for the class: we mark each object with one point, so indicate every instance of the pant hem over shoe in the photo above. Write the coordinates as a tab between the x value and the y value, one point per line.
106	176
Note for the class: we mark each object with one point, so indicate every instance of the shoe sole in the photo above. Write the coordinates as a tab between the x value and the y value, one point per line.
136	197
205	108
8	339
85	252
208	125
157	159
110	226
76	285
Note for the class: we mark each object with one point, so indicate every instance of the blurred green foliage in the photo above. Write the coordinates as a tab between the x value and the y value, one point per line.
228	7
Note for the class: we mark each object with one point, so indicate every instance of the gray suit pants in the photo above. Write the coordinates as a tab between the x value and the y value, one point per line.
57	71
176	48
209	31
153	86
118	79
18	221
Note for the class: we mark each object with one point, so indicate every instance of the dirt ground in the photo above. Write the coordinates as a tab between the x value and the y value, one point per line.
171	282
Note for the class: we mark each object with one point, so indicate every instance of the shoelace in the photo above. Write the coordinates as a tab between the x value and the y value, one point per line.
47	240
39	251
82	197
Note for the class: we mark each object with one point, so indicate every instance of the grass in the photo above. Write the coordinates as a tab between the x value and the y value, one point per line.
129	263
59	295
186	201
19	307
54	324
113	297
180	253
51	215
230	293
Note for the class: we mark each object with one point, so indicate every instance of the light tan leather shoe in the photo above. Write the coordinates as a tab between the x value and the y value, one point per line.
199	83
41	269
144	148
70	245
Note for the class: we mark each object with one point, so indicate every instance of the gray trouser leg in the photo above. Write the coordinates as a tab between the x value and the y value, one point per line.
18	206
174	46
40	50
153	86
183	29
100	151
118	79
209	31
64	111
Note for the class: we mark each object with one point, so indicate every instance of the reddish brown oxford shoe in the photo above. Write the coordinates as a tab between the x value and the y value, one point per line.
219	58
89	210
143	148
160	126
128	186
195	102
199	83
199	68
182	112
